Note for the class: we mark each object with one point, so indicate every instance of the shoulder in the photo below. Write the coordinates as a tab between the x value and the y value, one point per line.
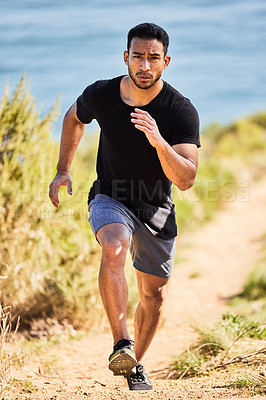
103	85
179	104
97	96
177	97
183	118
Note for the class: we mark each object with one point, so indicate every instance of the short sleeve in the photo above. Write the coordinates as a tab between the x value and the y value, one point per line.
185	125
85	108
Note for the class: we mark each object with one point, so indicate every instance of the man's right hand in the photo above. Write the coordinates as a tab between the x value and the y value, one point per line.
62	178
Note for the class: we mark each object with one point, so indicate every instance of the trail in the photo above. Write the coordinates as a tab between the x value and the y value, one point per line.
219	256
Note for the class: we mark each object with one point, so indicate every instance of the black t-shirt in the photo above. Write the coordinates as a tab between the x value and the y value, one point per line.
128	167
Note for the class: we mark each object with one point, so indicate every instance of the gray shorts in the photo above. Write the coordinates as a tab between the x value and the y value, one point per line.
149	253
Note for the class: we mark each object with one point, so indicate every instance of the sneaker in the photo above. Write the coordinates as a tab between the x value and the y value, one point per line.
123	359
140	380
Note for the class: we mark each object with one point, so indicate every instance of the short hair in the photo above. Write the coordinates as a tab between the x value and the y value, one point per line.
149	31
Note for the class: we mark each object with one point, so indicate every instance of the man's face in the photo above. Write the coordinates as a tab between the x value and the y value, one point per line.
146	62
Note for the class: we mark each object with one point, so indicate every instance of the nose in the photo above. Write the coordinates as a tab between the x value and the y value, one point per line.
145	65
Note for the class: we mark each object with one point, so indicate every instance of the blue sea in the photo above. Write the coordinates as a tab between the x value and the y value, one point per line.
218	50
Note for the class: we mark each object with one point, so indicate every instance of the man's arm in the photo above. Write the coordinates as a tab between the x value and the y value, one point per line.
179	162
72	132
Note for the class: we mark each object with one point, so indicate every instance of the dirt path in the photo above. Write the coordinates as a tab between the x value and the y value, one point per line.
219	256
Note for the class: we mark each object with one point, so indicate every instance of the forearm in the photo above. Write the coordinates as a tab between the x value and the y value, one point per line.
72	132
178	169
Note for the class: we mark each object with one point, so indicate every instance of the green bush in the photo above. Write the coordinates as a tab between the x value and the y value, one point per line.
255	287
235	325
229	338
46	253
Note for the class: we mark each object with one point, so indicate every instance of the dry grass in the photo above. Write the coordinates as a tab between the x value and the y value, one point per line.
10	357
233	341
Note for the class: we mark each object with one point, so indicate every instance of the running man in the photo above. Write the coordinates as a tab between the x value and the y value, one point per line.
149	140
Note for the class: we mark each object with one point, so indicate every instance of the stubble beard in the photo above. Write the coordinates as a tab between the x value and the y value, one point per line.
144	85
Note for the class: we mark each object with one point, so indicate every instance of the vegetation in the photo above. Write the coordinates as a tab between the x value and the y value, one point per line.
235	155
10	355
251	302
232	341
49	256
239	339
230	158
253	382
45	254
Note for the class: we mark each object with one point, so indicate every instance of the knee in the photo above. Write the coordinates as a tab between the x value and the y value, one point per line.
153	299
114	240
115	247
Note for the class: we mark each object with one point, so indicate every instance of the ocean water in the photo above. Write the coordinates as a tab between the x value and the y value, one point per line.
218	50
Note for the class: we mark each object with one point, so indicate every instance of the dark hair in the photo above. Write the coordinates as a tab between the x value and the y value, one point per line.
149	31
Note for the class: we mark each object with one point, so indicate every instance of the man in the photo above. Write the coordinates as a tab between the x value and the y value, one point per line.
149	139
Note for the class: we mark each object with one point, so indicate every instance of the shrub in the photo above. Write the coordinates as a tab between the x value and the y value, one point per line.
232	340
47	251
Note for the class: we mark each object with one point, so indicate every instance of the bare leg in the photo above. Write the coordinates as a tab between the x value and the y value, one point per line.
152	292
114	240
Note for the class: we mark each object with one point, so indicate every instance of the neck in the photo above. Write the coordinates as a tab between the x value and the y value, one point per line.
136	97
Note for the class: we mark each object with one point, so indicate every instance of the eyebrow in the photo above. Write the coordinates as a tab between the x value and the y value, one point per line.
141	54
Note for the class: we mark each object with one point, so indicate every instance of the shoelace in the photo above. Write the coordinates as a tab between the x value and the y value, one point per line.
138	377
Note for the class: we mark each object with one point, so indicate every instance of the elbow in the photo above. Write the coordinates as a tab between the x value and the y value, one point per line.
186	182
185	185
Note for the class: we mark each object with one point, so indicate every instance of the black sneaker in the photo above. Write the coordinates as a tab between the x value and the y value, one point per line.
140	380
123	359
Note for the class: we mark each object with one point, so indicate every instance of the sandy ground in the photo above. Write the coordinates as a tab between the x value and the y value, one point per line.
219	256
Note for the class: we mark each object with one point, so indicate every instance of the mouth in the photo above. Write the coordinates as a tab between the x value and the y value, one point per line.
144	77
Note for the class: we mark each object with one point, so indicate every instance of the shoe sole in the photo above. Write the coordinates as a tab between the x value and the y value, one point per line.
122	363
141	389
